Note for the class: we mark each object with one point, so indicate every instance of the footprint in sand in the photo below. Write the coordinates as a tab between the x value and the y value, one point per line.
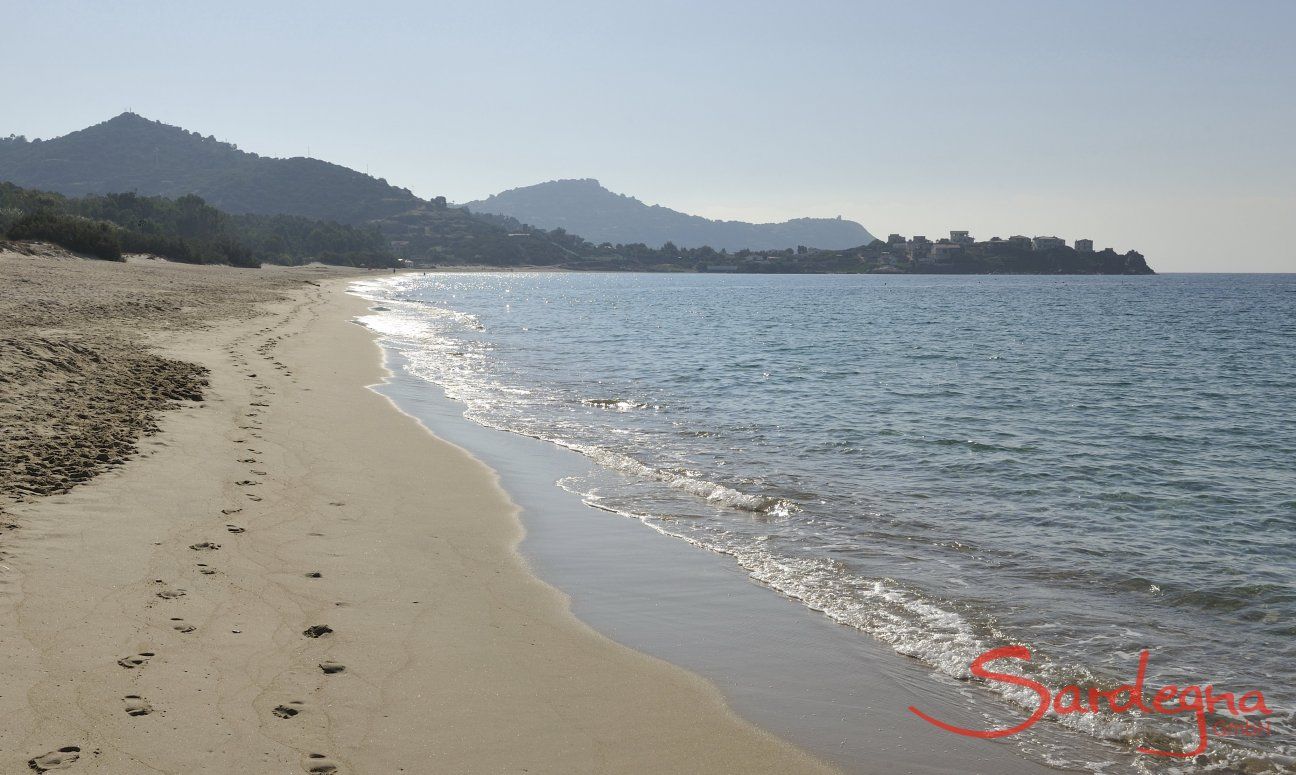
316	631
205	546
227	512
330	668
137	705
171	593
289	710
63	758
234	529
314	575
180	625
258	473
136	660
246	483
203	569
319	763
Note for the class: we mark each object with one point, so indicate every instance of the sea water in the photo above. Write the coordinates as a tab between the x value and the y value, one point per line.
1087	466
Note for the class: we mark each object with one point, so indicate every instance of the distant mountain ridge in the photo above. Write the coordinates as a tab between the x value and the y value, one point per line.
133	154
585	207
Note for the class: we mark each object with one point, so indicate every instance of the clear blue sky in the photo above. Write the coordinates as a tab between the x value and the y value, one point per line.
1165	127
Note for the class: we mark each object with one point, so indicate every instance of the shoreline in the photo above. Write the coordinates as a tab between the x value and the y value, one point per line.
129	638
831	689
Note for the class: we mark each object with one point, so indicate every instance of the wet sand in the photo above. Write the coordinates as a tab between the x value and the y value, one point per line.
285	574
828	688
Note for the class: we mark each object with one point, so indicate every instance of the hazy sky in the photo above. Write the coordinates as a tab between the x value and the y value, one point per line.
1165	127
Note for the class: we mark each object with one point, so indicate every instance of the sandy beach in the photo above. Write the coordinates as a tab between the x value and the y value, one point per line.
225	553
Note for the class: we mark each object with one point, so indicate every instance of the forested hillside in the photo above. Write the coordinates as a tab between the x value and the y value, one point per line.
130	153
133	154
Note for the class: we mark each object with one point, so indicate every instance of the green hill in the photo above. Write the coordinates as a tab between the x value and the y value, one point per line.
132	154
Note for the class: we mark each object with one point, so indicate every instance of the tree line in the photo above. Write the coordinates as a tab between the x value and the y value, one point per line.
186	229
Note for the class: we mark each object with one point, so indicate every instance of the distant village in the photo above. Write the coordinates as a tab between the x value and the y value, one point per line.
960	253
921	250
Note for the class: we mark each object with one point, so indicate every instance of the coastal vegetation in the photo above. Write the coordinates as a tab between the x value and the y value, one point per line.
82	235
186	230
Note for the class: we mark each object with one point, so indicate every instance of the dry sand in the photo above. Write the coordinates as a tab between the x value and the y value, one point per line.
159	618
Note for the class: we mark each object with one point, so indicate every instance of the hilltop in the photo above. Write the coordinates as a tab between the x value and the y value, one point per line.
130	153
586	208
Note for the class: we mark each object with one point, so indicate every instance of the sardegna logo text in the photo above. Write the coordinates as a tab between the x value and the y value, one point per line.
1170	700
